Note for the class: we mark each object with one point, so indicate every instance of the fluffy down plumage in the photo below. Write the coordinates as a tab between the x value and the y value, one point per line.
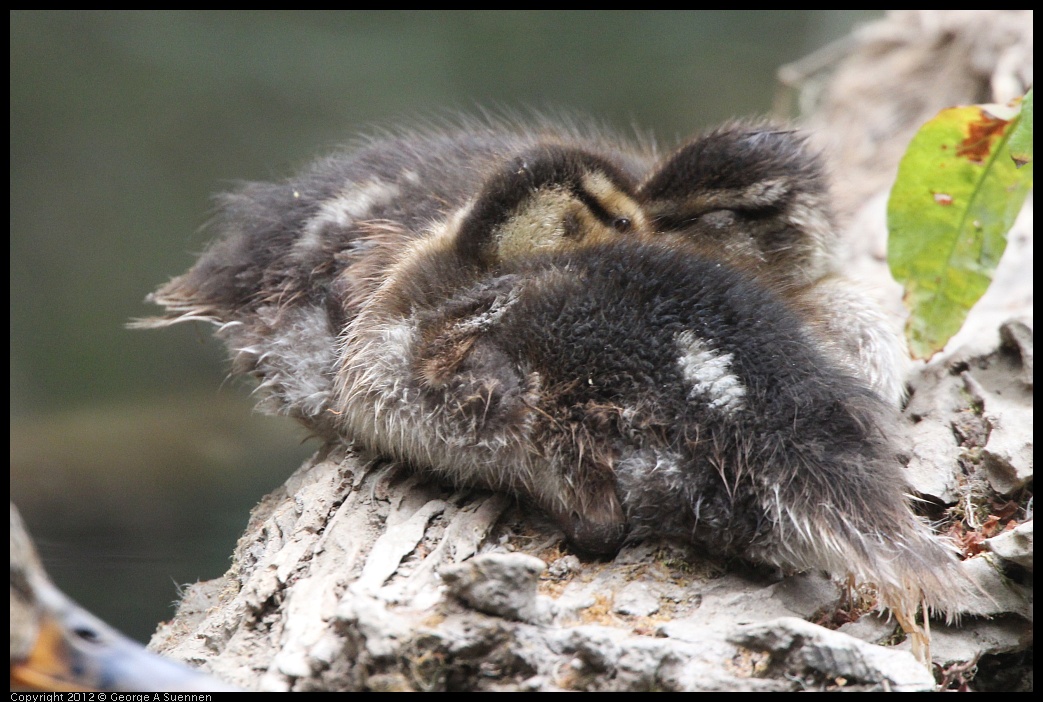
640	345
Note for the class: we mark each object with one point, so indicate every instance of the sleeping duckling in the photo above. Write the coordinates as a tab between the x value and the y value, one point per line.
755	195
636	346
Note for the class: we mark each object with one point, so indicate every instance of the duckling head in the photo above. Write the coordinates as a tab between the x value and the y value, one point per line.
551	198
754	194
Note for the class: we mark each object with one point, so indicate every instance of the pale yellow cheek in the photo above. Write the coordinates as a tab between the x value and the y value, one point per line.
527	235
538	226
555	220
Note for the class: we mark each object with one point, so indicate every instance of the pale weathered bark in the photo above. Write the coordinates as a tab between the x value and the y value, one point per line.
359	574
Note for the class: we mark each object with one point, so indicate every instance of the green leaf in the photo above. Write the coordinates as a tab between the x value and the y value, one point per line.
955	198
1021	138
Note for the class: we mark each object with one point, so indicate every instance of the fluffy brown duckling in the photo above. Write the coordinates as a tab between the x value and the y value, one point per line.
641	347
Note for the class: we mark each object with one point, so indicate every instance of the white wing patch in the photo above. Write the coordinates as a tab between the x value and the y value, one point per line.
352	204
708	374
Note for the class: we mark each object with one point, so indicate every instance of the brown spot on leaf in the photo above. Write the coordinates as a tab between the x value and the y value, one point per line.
981	134
943	199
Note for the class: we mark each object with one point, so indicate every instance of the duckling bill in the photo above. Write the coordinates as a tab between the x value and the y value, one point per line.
640	346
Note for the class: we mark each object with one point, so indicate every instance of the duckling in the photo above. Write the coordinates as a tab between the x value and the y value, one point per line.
422	350
756	195
58	646
295	261
635	345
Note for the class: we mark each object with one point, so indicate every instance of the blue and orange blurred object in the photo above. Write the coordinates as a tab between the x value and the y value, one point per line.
56	645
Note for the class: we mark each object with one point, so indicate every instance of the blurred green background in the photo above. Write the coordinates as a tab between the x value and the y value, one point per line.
134	459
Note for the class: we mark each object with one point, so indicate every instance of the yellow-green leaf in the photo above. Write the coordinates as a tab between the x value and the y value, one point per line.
955	198
1021	138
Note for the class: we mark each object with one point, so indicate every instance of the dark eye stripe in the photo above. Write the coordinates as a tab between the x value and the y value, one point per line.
598	210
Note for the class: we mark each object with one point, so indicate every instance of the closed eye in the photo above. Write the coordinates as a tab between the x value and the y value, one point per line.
718	219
